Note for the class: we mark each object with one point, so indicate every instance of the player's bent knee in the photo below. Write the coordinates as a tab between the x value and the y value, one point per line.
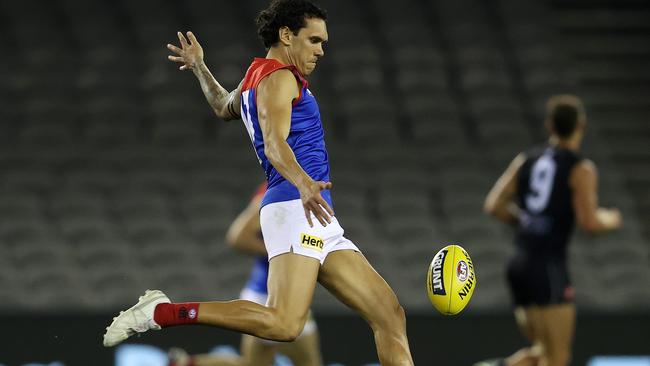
285	328
289	331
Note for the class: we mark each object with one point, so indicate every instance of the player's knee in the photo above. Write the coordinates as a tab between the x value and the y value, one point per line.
285	328
288	331
292	330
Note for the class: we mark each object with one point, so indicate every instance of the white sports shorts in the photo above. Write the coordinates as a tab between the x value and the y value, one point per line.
285	229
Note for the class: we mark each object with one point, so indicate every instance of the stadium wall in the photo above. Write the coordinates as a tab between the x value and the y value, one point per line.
75	339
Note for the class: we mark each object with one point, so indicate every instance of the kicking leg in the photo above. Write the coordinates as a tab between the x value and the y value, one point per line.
304	351
291	283
292	279
348	276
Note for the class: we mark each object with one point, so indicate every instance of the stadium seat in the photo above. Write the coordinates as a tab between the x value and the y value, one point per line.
20	205
29	178
112	164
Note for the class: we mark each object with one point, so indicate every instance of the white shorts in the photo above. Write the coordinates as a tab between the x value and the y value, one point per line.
285	229
260	298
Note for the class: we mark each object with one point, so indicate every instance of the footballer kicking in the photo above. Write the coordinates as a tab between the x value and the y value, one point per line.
303	238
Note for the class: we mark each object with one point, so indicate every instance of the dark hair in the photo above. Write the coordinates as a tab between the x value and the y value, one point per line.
563	113
285	13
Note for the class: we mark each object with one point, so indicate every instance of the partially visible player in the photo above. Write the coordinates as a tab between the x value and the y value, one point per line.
245	234
544	192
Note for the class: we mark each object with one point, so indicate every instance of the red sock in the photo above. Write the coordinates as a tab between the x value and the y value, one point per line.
167	315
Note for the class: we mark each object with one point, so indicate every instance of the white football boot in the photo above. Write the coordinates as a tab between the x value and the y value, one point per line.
137	319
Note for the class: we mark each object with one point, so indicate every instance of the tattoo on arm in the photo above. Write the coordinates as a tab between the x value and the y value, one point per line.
231	109
219	98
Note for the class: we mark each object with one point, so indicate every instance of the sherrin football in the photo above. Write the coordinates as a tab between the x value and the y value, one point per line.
451	280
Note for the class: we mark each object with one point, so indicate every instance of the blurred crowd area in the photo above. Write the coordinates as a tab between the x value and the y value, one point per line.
115	176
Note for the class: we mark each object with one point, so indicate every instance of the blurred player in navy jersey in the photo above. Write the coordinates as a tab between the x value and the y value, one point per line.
303	238
245	234
544	192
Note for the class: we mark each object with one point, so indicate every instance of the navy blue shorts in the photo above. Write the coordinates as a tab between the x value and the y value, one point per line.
536	280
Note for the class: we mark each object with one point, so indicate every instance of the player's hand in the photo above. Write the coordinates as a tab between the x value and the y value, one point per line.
313	202
611	217
191	53
615	217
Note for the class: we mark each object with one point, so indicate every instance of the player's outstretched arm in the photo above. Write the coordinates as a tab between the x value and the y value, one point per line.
225	104
499	202
275	94
590	217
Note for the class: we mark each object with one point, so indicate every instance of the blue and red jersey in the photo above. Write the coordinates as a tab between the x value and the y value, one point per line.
306	135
